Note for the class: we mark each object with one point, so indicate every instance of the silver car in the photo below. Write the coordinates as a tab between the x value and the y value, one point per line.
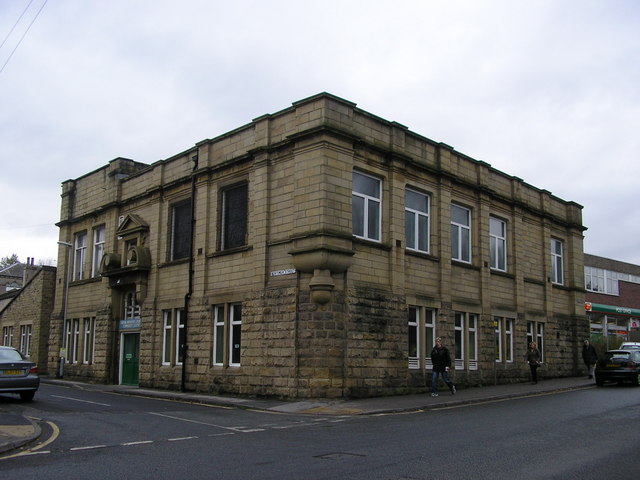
18	374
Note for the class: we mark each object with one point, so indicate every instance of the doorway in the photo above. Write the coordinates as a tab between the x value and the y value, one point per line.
130	359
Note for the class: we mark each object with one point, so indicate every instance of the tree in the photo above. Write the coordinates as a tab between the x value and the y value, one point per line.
8	261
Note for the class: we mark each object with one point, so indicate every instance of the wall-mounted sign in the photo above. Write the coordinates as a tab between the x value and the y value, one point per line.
129	324
613	309
278	273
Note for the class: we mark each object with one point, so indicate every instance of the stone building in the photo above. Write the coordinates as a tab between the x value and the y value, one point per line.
315	252
25	317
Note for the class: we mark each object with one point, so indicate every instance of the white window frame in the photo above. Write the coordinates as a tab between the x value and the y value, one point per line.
535	333
88	351
80	254
508	339
233	322
497	325
7	336
415	218
370	205
557	261
429	335
463	251
166	337
414	331
180	335
498	243
98	250
67	338
466	341
25	339
218	336
76	340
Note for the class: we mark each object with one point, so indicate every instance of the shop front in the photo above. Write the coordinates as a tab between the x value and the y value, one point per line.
611	325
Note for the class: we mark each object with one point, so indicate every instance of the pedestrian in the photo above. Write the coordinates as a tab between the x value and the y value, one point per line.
441	365
533	359
589	356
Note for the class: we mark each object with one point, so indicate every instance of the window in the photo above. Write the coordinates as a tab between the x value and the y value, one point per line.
98	250
7	336
227	334
80	252
76	340
421	336
498	244
535	333
366	206
25	339
417	221
180	231
234	216
180	337
414	360
131	308
603	281
466	341
557	272
218	335
503	339
460	234
88	327
166	339
173	337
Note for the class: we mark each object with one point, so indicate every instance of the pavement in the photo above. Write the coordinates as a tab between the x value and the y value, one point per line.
18	430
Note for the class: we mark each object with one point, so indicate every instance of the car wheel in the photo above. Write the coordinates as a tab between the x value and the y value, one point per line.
599	382
636	380
27	396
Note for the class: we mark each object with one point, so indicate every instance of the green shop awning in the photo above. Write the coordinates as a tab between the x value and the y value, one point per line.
613	309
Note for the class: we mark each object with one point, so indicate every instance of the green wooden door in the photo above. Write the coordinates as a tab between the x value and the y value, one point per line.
130	358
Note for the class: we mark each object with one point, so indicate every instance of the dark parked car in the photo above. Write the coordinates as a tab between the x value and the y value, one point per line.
18	374
618	366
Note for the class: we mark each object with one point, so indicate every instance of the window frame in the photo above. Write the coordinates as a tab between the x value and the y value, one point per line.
99	235
465	340
79	255
458	238
179	240
25	339
557	262
227	241
368	201
88	333
498	244
226	331
535	333
414	240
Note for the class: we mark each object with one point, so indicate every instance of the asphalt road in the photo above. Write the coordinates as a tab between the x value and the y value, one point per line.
585	434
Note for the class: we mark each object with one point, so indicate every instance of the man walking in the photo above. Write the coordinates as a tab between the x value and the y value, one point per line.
441	364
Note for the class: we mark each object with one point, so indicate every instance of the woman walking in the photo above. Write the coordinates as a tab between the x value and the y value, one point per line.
533	359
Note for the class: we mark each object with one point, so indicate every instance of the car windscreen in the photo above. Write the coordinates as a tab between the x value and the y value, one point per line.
10	356
618	355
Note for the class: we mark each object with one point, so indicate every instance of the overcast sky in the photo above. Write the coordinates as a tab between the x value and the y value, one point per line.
545	90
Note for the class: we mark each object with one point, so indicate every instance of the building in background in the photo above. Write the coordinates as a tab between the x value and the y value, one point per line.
612	301
314	252
25	313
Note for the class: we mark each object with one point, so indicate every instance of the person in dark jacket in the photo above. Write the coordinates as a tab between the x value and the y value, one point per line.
533	359
441	365
589	356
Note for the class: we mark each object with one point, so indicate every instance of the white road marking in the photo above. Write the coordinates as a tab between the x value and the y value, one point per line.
83	401
92	447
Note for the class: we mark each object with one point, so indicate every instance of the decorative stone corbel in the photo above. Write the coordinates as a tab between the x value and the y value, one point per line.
322	261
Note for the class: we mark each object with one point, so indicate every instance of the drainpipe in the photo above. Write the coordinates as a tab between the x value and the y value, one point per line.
187	296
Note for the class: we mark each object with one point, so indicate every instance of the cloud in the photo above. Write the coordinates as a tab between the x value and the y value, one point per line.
546	90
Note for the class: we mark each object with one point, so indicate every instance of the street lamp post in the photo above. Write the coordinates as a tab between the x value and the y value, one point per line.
68	246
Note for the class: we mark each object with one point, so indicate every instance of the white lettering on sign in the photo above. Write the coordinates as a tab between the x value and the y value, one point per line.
287	271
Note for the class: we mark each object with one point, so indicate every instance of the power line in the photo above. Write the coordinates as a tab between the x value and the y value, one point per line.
23	35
